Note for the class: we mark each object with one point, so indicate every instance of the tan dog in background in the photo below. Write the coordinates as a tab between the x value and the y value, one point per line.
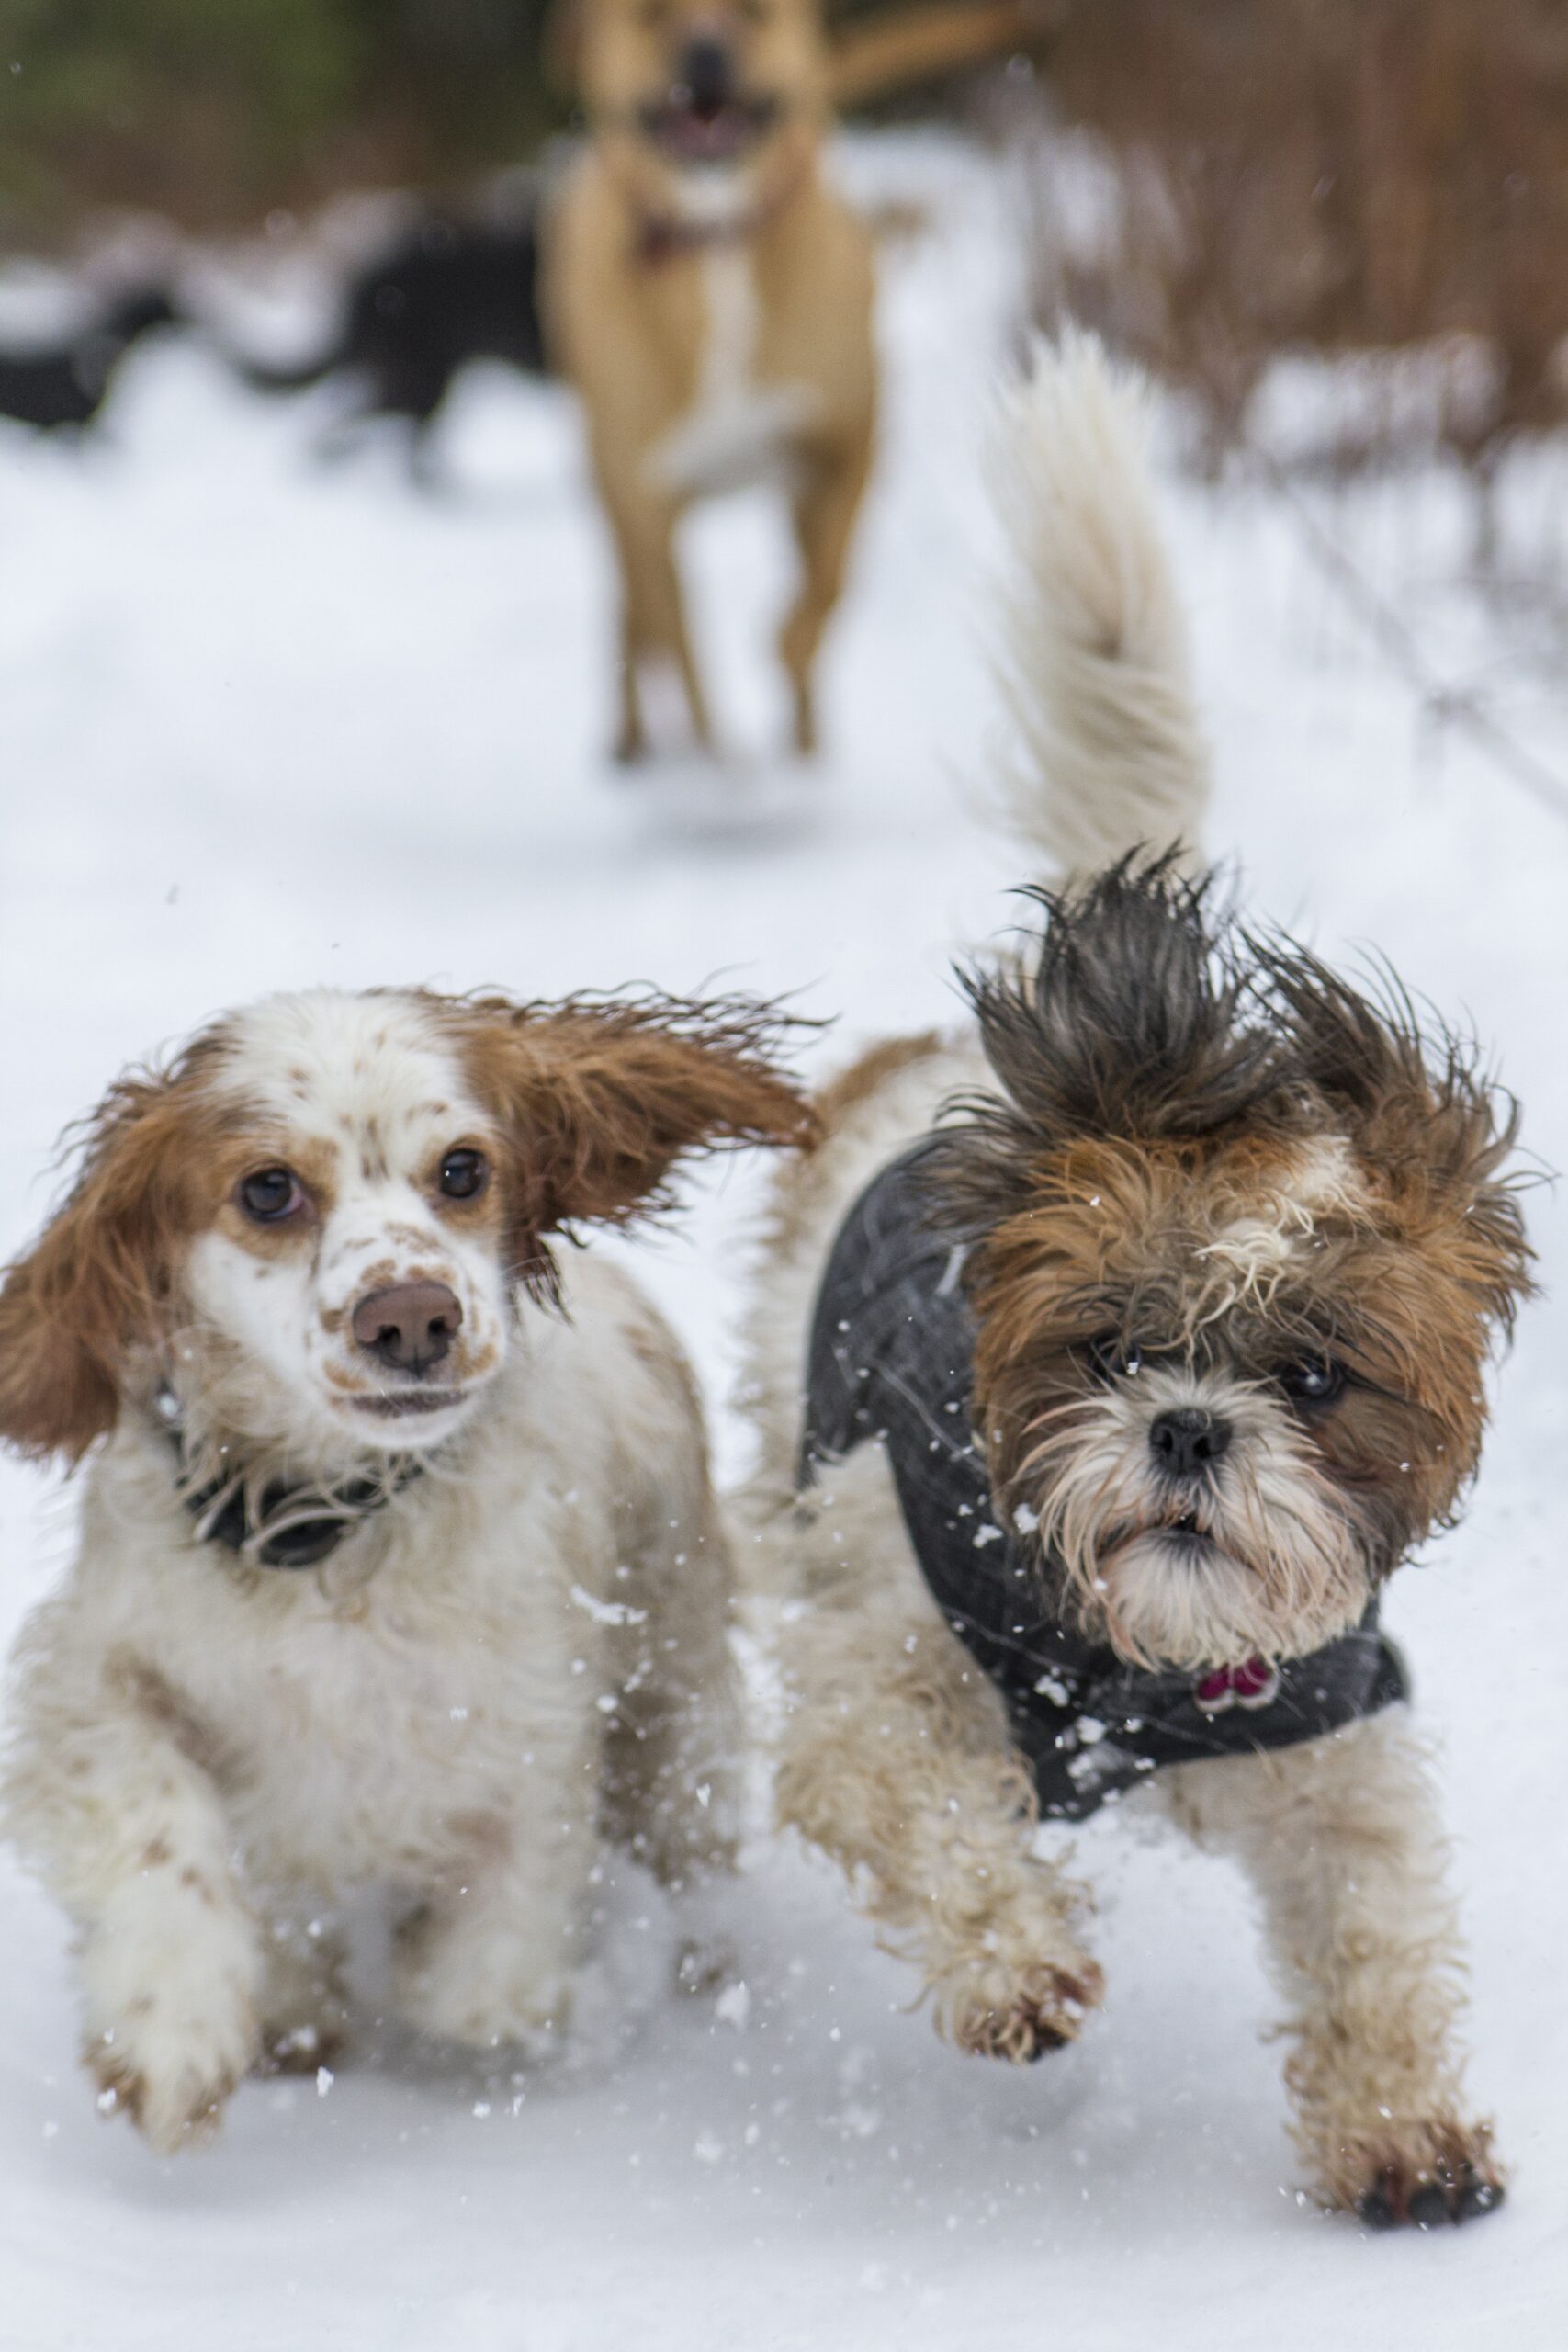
710	297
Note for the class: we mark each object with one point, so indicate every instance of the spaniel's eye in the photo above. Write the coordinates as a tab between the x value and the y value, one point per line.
1312	1380
269	1195
463	1174
1116	1359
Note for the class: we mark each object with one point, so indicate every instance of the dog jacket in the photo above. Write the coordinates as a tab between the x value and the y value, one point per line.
890	1359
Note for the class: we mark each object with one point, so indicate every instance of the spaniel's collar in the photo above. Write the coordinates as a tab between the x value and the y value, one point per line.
280	1525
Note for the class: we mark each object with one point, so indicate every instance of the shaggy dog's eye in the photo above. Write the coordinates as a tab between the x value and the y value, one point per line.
463	1174
1312	1380
270	1194
1115	1359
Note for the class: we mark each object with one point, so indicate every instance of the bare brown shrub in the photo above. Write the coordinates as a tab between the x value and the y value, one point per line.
1320	175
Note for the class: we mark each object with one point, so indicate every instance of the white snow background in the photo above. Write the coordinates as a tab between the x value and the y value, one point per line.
264	724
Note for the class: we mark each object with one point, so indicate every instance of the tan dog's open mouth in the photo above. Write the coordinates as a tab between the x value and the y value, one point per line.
691	127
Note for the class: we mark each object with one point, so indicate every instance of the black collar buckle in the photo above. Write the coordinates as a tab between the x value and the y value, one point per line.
286	1525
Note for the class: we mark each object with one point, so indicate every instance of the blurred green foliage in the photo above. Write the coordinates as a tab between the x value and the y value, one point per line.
216	111
213	110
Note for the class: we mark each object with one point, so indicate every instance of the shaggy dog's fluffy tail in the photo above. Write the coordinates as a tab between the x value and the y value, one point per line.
1110	757
1093	661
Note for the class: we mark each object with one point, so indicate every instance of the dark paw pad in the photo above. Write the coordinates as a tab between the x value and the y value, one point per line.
1478	2196
1377	2209
1429	2206
1458	2192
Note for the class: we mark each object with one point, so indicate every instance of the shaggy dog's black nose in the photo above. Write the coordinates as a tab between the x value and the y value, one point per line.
1188	1441
707	72
410	1326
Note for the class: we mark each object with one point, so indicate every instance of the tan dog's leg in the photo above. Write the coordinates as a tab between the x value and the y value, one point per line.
896	1761
825	510
654	636
1343	1841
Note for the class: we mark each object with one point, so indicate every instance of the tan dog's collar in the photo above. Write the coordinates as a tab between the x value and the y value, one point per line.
660	237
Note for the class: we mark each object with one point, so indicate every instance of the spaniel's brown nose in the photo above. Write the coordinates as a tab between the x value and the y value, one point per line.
410	1326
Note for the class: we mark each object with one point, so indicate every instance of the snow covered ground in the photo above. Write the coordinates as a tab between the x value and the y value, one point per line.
264	723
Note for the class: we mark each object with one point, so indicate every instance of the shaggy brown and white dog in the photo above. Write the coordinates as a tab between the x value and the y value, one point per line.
1142	1335
301	1307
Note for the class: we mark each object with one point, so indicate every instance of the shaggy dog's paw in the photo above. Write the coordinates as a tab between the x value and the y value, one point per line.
1043	2012
174	2076
1437	2175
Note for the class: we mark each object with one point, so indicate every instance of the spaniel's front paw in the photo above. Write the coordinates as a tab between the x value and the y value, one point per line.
171	2068
171	2023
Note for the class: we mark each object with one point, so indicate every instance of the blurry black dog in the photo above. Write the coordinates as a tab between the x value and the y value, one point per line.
447	291
65	383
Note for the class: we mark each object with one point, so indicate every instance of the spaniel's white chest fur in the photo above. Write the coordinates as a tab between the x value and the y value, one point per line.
351	1714
523	1651
354	1728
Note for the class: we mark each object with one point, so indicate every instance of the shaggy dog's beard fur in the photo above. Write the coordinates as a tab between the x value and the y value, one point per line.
1261	1562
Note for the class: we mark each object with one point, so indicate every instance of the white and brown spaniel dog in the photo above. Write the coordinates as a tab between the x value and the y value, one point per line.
399	1564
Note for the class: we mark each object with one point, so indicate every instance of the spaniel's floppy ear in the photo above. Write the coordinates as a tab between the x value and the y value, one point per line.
599	1097
96	1284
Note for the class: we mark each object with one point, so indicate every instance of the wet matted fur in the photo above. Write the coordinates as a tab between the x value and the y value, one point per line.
1190	1178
